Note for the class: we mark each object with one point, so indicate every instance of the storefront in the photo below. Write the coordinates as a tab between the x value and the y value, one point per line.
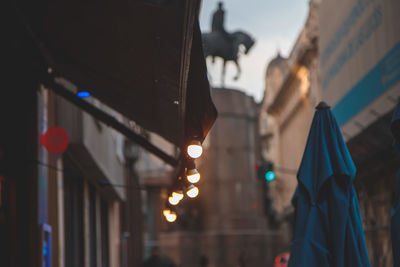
141	58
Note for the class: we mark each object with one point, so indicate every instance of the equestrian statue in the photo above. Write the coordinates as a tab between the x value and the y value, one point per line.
220	43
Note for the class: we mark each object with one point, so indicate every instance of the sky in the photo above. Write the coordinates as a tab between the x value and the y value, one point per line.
274	24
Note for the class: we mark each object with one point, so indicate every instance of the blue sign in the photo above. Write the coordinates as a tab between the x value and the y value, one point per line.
378	80
46	245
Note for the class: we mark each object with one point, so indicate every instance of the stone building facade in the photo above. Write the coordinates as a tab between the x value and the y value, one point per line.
291	93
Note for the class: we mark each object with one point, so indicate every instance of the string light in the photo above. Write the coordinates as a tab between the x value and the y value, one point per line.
173	201
171	216
166	212
194	149
192	191
178	195
193	176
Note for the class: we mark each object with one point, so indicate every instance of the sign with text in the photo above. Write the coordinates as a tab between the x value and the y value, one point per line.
359	58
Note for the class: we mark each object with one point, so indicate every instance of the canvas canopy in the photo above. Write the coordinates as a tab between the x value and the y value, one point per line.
142	58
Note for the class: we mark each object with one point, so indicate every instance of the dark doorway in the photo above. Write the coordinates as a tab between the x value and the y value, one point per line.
73	200
104	234
93	226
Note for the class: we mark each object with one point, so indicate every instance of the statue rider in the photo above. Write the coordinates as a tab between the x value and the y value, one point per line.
217	24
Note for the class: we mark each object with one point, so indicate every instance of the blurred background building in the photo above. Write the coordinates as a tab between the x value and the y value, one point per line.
81	195
360	73
348	57
291	93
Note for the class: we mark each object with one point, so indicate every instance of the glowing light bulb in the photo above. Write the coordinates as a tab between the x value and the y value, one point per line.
193	176
171	217
173	201
166	212
192	192
178	195
194	149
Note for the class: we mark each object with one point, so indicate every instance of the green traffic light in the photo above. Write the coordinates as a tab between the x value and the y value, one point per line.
269	176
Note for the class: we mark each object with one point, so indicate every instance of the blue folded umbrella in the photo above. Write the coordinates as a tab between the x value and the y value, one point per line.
395	219
395	126
328	229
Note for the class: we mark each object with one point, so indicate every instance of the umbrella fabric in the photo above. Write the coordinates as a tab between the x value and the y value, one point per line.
328	229
395	127
395	220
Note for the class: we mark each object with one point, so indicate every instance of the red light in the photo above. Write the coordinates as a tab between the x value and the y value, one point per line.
278	259
257	166
55	140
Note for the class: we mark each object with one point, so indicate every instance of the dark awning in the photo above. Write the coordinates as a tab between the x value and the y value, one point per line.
135	56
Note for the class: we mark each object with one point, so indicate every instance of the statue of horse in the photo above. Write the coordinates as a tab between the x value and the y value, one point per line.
226	47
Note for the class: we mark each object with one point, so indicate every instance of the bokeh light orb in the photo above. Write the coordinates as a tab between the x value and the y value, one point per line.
192	192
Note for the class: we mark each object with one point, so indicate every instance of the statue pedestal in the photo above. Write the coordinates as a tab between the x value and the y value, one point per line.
232	225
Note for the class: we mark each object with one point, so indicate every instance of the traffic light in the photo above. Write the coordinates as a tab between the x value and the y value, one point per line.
265	171
270	175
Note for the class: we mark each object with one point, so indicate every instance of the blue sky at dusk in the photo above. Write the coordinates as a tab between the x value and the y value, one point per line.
274	24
